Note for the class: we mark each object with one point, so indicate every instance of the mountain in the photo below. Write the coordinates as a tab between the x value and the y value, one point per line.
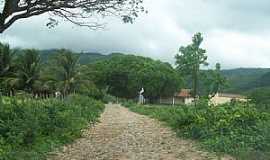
262	82
241	80
85	58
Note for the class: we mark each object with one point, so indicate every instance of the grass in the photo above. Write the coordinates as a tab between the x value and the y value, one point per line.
29	129
238	130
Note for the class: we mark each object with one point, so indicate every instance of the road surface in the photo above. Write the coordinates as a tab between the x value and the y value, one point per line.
124	135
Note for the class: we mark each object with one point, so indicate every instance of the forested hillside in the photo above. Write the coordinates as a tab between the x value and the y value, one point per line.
85	57
242	80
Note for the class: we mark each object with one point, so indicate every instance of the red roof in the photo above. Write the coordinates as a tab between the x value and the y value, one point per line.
184	93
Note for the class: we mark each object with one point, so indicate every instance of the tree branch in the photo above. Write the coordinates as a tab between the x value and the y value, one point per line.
71	10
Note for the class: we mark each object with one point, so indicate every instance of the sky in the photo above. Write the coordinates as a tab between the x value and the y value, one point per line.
236	33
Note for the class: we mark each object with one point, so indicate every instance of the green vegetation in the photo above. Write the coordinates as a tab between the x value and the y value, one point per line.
85	58
190	59
261	98
32	123
125	75
243	80
188	63
239	130
31	128
24	70
213	82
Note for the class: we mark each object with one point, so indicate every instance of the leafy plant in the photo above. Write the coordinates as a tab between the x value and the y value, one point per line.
237	130
31	128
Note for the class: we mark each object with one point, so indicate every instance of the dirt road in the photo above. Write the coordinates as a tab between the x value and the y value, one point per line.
124	135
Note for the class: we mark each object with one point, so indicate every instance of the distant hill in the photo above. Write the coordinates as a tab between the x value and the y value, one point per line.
262	82
242	80
85	58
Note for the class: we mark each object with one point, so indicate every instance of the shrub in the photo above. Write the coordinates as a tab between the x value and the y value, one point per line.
109	98
237	130
30	128
261	98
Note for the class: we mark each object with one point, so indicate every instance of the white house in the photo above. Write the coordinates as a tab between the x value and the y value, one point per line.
222	98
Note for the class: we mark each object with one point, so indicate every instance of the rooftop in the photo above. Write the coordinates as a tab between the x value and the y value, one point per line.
184	93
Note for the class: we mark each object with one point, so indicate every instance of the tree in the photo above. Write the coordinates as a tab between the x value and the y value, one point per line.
74	11
7	56
28	69
125	75
261	97
214	81
64	68
190	59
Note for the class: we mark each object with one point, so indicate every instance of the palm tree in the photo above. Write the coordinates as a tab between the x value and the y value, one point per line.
28	69
6	68
6	58
65	67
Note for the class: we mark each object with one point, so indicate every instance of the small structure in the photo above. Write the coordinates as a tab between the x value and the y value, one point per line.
222	98
182	97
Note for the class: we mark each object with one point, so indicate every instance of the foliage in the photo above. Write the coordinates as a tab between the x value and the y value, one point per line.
109	99
125	75
214	81
261	82
242	80
80	13
64	67
7	66
237	130
27	69
189	60
261	98
31	128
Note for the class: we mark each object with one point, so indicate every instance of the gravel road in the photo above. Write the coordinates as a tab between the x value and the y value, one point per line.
124	135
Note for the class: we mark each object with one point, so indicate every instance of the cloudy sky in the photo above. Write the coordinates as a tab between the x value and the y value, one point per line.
236	33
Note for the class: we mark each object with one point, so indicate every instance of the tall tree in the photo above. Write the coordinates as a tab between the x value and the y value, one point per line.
189	60
6	68
79	12
125	75
6	57
65	69
28	69
214	81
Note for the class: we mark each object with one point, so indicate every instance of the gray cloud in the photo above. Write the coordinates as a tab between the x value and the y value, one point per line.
236	32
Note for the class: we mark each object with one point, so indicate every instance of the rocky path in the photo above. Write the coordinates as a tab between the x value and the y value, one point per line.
124	135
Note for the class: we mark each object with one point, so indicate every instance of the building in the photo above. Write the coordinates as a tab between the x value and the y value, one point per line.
222	98
182	97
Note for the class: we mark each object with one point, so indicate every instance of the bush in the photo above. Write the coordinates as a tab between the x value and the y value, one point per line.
237	130
31	128
261	98
109	98
127	103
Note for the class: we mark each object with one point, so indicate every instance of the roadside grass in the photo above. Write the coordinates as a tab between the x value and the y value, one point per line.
30	129
238	130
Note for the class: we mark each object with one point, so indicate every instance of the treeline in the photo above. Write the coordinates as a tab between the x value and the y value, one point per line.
119	75
23	71
124	76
